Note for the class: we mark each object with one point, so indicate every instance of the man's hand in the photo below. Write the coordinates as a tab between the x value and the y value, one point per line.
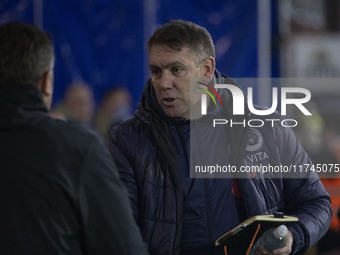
287	249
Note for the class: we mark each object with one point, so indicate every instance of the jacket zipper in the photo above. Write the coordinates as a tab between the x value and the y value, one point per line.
179	204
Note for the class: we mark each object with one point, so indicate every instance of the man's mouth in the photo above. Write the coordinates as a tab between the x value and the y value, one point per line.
168	100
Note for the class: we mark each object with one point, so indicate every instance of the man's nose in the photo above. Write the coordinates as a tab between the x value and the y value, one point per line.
166	81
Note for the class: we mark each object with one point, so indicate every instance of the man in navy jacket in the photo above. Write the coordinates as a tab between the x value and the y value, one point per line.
182	215
60	191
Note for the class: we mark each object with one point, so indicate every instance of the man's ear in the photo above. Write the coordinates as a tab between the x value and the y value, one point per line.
208	66
46	87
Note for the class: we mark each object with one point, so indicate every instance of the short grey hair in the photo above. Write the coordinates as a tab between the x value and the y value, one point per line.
26	54
180	33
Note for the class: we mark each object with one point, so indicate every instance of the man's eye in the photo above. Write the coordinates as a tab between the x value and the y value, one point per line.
176	70
155	73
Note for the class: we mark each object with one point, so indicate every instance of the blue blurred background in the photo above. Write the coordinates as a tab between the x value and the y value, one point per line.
102	42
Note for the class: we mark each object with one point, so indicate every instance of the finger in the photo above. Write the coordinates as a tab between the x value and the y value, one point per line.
282	251
262	251
287	249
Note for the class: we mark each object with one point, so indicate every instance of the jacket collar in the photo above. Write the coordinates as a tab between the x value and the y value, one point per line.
20	105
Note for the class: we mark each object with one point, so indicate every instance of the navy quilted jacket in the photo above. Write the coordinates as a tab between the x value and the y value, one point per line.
60	191
146	156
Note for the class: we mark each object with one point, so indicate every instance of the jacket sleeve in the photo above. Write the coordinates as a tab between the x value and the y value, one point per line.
305	198
109	226
123	160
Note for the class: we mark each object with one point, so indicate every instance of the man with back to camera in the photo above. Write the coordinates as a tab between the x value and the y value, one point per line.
179	215
60	192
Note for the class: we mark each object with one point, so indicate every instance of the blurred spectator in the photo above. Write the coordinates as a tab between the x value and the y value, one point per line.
321	138
77	104
329	154
115	107
57	115
339	216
